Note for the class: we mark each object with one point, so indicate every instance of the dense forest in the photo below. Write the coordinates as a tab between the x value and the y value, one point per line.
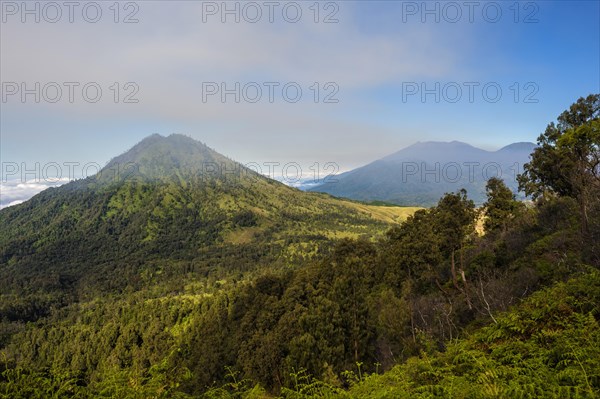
174	285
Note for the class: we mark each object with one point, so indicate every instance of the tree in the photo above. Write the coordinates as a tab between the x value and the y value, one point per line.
454	221
567	160
413	251
353	263
500	206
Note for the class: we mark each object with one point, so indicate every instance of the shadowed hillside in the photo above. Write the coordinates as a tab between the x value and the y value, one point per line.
420	174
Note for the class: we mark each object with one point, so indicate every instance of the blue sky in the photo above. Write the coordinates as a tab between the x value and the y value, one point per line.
374	53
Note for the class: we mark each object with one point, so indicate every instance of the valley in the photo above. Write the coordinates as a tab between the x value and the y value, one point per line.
170	282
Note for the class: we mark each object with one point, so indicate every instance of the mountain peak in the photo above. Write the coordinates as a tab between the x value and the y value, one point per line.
421	173
161	157
520	146
173	139
441	150
439	145
453	143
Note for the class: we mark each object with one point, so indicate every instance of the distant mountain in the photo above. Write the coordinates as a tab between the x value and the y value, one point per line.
421	173
168	202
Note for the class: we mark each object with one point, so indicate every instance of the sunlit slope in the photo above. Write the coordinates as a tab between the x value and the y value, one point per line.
169	209
547	347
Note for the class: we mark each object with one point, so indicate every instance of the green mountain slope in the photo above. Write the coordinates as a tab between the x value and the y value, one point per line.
169	205
548	347
174	283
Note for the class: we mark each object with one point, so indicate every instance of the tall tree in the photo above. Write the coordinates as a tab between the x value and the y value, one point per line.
413	251
454	221
500	206
567	161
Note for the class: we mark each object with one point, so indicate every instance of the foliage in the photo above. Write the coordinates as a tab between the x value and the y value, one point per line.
186	286
567	160
500	206
549	347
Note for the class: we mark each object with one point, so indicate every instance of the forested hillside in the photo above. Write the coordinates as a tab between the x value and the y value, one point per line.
175	284
167	208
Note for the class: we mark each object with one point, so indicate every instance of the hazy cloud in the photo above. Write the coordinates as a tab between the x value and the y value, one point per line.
172	51
13	192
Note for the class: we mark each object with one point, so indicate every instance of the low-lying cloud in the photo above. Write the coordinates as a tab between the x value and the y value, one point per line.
14	192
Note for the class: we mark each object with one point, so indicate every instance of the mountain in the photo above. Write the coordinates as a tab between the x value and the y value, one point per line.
166	205
421	173
176	279
163	158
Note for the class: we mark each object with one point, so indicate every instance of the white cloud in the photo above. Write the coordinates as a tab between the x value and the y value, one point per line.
13	192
